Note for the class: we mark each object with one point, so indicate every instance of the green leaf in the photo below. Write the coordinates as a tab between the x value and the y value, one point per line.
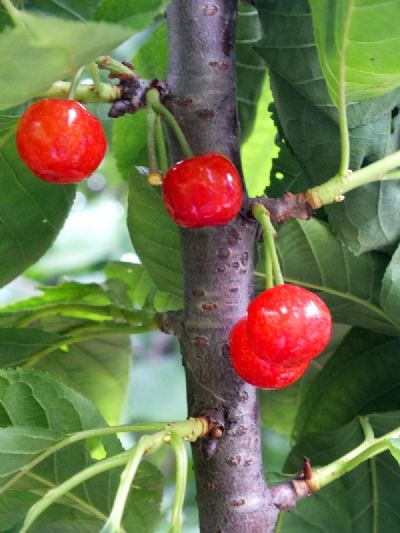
129	132
250	67
86	365
34	405
325	511
13	507
154	235
54	47
132	285
26	203
18	345
360	39
61	526
362	377
129	142
308	124
97	368
137	15
151	60
279	407
289	48
363	501
312	156
58	316
144	504
66	292
20	444
259	149
390	294
69	9
311	256
395	448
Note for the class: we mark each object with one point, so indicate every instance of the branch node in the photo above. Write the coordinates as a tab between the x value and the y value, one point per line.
286	495
216	424
133	94
170	322
289	205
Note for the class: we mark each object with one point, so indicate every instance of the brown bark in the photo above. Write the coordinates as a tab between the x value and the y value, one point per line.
218	263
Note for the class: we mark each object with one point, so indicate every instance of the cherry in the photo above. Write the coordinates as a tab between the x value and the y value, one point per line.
60	141
256	371
288	325
202	191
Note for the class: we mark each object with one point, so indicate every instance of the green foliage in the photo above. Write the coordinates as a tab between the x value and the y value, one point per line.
259	148
313	257
390	294
358	51
307	121
362	377
32	212
98	368
152	58
362	501
85	365
250	67
69	9
79	332
129	143
137	15
395	449
54	47
279	408
131	285
154	235
35	410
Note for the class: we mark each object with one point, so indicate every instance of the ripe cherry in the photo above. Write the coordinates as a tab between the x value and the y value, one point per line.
60	141
202	191
256	371
288	325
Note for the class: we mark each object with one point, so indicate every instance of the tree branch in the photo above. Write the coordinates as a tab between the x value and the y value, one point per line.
218	268
286	495
280	209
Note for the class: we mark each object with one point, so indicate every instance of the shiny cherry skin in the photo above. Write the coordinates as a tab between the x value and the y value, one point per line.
202	191
256	371
60	141
288	325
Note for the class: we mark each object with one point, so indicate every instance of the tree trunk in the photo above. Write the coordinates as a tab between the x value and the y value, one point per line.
218	263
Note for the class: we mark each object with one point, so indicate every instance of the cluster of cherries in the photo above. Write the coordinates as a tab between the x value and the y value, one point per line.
286	326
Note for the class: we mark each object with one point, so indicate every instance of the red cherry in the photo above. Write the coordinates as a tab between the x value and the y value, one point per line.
60	141
202	191
256	371
288	325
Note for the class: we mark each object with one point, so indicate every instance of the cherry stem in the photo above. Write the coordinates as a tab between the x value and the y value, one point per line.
94	72
74	83
12	12
272	265
113	66
269	277
151	147
153	101
161	146
87	93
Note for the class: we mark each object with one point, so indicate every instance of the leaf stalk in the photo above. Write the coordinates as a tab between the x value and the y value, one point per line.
369	448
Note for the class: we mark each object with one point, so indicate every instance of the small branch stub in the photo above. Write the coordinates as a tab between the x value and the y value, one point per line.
281	209
170	322
216	427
